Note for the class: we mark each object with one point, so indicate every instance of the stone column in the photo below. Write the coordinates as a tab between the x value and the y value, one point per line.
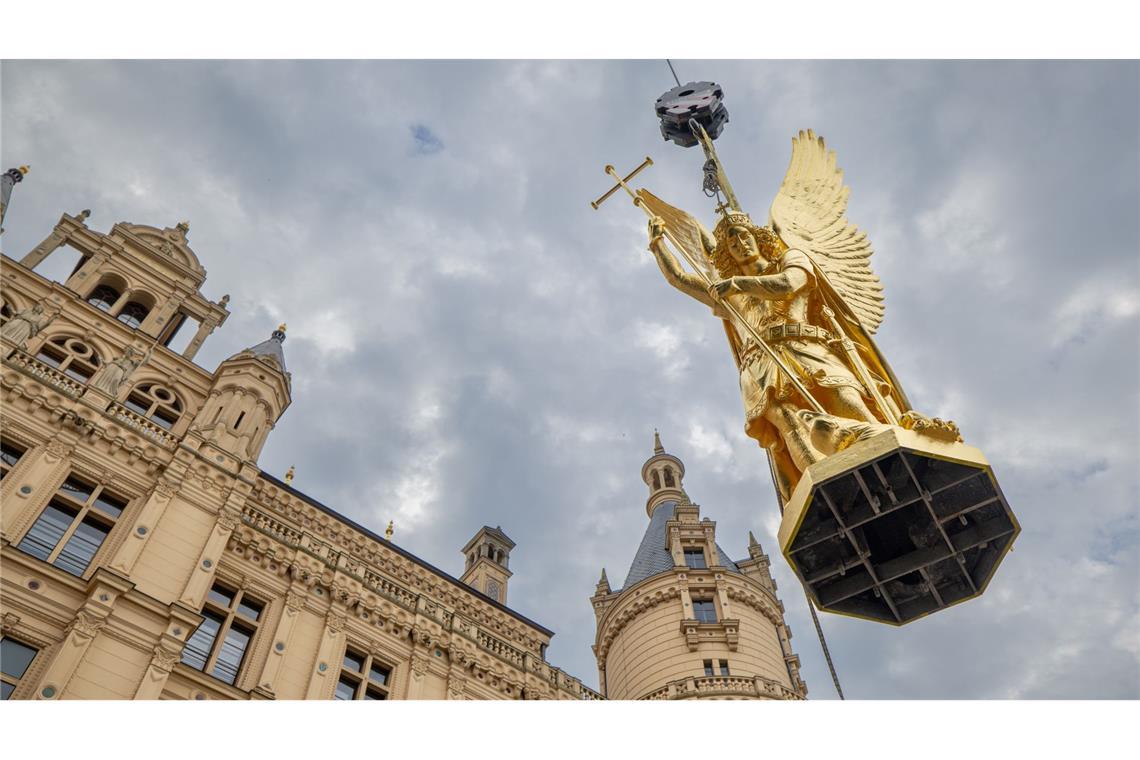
416	677
78	282
103	589
167	652
40	471
204	329
194	594
53	241
327	671
456	684
294	603
163	310
130	550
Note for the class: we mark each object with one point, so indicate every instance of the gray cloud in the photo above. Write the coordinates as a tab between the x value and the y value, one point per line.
472	344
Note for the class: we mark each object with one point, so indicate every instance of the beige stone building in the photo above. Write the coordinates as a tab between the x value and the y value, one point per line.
145	555
689	623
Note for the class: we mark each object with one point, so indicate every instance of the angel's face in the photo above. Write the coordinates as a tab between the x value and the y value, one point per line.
742	245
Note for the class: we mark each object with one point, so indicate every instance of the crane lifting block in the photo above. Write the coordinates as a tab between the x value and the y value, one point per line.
896	527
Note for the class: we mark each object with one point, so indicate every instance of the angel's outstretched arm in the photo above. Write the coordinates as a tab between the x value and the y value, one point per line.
687	283
770	286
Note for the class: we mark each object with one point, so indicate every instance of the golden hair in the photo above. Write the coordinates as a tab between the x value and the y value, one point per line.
767	241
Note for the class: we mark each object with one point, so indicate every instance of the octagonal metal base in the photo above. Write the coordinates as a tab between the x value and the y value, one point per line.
897	527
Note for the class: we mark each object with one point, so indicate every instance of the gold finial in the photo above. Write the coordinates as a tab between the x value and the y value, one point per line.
281	327
657	447
389	531
289	475
25	169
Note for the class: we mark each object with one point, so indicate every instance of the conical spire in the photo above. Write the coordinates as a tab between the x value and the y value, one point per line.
272	347
603	586
754	548
657	447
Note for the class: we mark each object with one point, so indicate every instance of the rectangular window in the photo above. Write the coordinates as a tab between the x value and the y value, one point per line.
695	559
704	611
72	527
708	668
362	676
14	661
724	667
219	644
10	453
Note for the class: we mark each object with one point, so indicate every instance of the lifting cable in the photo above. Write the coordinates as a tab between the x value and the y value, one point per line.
823	643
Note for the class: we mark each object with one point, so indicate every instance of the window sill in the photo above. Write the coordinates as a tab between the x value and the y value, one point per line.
725	632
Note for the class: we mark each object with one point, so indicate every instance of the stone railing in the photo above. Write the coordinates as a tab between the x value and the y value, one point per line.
53	377
270	526
142	425
500	648
387	588
729	687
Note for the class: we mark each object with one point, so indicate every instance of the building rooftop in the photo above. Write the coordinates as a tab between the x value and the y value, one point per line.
652	557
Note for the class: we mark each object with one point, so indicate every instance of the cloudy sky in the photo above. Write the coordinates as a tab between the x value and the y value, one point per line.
472	344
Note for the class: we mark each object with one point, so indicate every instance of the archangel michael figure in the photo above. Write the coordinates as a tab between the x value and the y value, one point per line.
801	284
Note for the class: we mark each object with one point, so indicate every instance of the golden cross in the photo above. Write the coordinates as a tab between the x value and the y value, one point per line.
621	183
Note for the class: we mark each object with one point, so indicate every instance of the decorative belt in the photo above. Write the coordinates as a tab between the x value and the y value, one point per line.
782	332
797	330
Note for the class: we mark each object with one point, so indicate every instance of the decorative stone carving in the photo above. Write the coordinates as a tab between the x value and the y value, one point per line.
86	624
26	324
164	659
113	374
9	623
294	600
58	449
228	520
335	622
419	665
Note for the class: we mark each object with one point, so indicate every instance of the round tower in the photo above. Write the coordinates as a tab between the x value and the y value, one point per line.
689	622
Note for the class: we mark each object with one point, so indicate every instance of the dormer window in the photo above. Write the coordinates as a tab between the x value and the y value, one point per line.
695	559
103	297
133	314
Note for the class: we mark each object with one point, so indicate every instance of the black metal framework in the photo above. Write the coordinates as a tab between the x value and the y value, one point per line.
218	646
73	526
362	676
901	536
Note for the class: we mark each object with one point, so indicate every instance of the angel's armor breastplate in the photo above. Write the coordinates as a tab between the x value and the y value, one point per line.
763	313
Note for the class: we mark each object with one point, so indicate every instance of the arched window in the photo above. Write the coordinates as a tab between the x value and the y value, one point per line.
669	483
133	314
158	404
103	297
70	356
656	480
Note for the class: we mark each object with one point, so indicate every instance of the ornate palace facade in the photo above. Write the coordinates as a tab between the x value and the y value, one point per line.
146	555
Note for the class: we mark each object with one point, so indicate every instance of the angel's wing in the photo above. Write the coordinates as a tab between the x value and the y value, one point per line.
685	229
810	213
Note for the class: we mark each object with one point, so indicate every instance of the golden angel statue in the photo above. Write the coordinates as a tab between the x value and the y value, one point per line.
803	284
869	487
